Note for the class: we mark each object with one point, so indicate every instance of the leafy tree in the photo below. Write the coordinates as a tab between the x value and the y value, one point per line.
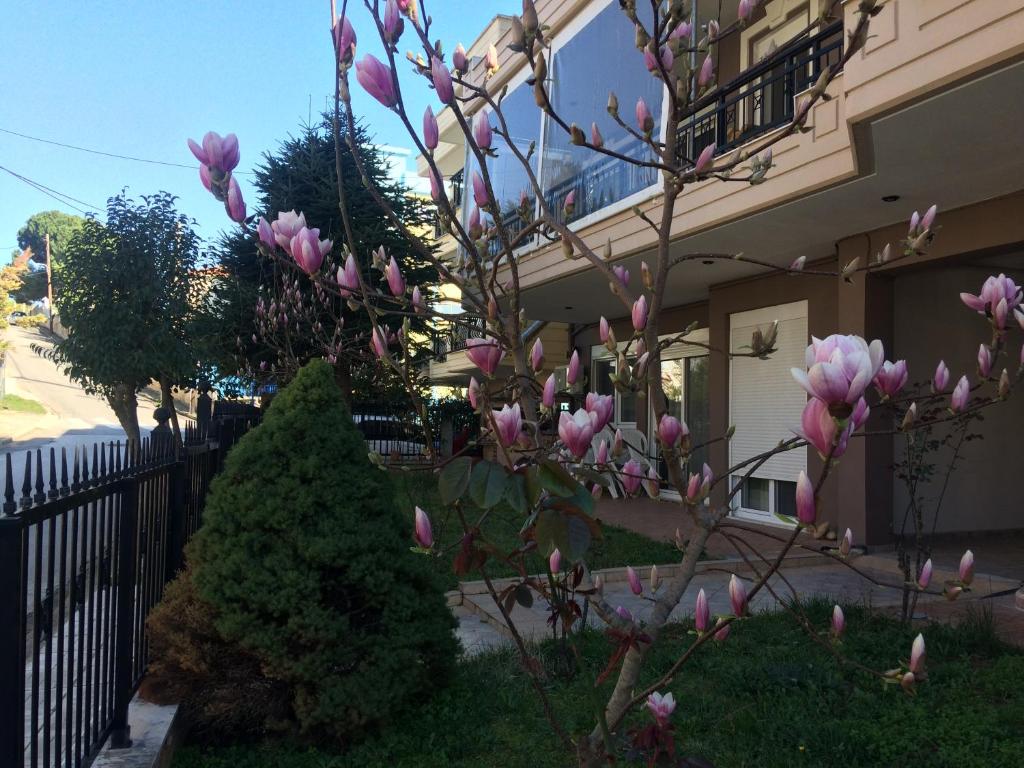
306	564
301	175
127	302
60	226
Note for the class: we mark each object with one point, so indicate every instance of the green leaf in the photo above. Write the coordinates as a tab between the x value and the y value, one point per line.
556	480
524	596
551	531
487	484
454	479
579	537
533	487
515	494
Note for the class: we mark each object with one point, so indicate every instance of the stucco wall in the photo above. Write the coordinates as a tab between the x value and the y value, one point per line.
931	324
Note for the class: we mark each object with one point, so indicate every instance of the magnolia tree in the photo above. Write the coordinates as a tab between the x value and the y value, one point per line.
553	479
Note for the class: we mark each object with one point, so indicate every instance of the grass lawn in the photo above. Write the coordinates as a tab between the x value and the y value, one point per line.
20	404
617	548
768	697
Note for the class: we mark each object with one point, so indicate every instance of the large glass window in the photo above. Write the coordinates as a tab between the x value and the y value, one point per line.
685	383
625	402
599	59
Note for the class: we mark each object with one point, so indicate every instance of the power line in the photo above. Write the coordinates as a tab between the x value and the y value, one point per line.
106	154
60	197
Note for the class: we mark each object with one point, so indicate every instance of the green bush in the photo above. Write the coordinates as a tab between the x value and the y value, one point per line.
305	559
31	321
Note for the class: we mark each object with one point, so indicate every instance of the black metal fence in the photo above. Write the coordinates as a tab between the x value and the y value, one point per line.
393	430
86	548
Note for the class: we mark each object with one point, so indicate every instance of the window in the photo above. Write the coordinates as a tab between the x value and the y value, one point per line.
625	402
684	379
583	70
765	405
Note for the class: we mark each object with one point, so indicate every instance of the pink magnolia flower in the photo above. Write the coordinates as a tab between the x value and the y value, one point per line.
623	613
430	132
480	196
707	72
442	80
941	378
712	29
639	314
891	378
984	361
601	457
635	585
917	655
682	31
485	354
219	154
632	474
925	577
348	277
555	561
393	24
806	509
483	134
309	250
838	622
436	187
473	392
491	59
847	543
204	176
819	428
744	9
376	80
344	39
459	59
393	274
603	330
929	218
378	342
993	291
419	306
694	488
702	612
966	569
705	159
652	483
840	368
266	233
548	397
961	394
235	203
618	443
601	409
644	121
596	139
671	431
737	596
510	423
722	631
286	226
651	61
576	431
621	274
423	533
569	204
537	355
573	372
661	707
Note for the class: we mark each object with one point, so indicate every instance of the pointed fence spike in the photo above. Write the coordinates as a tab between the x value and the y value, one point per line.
51	492
117	458
95	463
10	505
26	486
40	495
103	463
64	471
76	475
85	467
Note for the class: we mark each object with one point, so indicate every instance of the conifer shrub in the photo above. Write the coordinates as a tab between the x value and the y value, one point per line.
304	559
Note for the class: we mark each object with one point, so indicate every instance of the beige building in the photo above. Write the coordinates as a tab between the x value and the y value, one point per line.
930	111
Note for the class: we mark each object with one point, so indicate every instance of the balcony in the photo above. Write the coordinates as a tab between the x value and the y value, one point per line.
763	98
450	366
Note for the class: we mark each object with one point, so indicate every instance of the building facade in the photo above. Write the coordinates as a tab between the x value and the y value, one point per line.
928	111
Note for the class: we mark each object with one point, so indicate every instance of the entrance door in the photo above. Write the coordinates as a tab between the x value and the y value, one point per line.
685	382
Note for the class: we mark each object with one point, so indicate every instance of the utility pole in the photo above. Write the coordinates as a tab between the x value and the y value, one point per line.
49	282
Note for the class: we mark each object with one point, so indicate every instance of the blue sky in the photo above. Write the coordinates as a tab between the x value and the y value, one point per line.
138	78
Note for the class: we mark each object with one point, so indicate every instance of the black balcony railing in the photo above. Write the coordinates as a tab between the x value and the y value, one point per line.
598	186
763	97
454	337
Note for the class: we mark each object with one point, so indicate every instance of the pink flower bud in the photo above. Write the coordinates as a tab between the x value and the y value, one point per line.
436	187
459	60
603	329
419	306
480	195
917	656
569	204
509	422
670	431
652	483
235	203
847	543
644	121
601	409
442	80
344	39
423	533
601	457
941	378
573	372
806	510
682	32
555	561
984	361
705	159
621	274
737	596
576	432
891	378
623	613
639	314
396	283
915	223
376	80
707	72
744	9
632	474
661	707
618	444
722	631
309	250
378	343
393	24
548	398
838	622
596	139
961	394
430	134
483	134
966	569
485	354
473	392
701	613
491	59
266	233
925	577
635	585
929	218
348	277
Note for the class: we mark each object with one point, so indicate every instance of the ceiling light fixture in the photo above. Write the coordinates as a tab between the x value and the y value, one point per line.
890	198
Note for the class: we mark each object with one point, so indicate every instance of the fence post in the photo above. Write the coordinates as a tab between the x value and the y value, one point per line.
12	642
176	522
120	737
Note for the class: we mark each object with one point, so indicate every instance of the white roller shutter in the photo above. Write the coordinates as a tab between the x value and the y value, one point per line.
765	402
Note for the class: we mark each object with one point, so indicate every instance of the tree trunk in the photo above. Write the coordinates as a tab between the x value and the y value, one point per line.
343	378
167	401
125	405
